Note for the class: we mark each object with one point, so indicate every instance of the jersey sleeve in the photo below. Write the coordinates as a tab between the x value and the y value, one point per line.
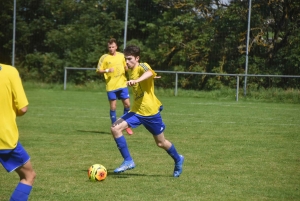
19	96
146	67
100	63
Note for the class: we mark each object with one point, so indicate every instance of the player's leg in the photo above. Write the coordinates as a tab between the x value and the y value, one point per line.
126	103
27	177
156	126
112	99
26	173
124	96
19	160
112	111
116	130
165	144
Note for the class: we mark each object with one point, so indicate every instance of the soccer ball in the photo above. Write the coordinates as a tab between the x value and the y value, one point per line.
97	172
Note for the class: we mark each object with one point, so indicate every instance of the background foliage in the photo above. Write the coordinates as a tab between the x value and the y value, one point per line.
196	36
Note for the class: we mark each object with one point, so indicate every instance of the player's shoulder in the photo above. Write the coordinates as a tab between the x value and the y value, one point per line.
8	68
119	54
5	66
9	72
103	57
145	65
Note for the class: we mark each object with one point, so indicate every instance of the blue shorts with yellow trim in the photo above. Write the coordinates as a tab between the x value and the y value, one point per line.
121	93
153	124
12	159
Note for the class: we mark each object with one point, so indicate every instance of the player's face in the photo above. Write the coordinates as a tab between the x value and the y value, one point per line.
112	48
132	61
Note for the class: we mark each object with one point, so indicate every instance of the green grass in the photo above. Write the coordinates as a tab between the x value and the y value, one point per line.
275	95
246	150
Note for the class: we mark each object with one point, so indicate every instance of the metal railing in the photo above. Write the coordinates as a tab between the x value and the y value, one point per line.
193	73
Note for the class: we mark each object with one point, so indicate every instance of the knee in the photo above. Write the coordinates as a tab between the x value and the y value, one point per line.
160	144
31	177
113	106
164	144
126	103
115	130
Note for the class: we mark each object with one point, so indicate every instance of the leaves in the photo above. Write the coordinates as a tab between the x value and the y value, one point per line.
198	36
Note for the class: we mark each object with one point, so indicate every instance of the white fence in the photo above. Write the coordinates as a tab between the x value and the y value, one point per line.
194	73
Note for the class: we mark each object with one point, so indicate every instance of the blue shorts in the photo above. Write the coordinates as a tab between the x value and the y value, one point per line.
12	159
118	94
153	124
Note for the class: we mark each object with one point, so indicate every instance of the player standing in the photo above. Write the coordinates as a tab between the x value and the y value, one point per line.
13	156
145	110
113	66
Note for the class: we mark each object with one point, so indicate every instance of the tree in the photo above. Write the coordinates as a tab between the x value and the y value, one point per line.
6	30
77	36
191	35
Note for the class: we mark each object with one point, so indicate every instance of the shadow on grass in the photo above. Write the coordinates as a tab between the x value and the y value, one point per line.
127	174
99	132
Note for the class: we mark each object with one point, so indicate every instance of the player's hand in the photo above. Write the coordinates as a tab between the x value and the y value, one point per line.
157	77
111	70
131	82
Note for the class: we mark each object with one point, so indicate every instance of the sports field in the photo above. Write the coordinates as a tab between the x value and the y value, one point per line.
233	150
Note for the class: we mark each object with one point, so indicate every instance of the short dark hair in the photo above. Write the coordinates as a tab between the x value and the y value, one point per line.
112	40
132	50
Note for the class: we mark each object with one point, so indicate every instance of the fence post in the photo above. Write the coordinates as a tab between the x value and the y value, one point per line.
176	83
247	47
237	88
65	79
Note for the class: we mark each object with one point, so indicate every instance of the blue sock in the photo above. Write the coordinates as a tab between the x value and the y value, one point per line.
173	153
126	110
122	146
113	116
21	192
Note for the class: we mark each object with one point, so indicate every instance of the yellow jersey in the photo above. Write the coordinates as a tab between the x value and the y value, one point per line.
117	79
12	98
145	102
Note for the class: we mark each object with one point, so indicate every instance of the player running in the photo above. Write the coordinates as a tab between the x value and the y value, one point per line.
13	156
145	110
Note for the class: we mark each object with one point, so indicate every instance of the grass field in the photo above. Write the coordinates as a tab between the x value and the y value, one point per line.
242	150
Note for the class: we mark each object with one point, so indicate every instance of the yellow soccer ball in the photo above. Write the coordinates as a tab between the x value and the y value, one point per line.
97	172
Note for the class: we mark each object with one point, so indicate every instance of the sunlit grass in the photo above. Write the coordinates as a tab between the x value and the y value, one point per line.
246	150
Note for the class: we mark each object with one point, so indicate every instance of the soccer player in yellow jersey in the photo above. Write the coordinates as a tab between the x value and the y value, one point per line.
145	110
13	156
113	66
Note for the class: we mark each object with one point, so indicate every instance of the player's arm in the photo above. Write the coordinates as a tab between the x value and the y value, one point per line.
108	70
100	67
20	102
145	76
22	111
